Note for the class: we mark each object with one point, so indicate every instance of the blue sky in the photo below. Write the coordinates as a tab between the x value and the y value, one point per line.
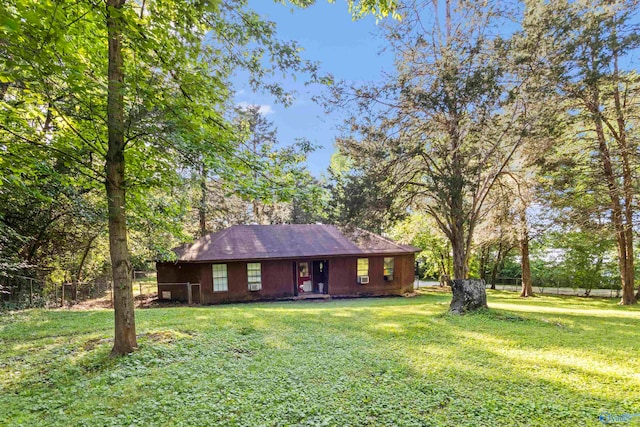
350	50
345	48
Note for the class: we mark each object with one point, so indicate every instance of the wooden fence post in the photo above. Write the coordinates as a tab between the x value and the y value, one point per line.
189	292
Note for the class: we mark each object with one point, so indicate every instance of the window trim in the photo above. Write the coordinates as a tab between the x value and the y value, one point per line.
358	271
226	277
259	270
384	267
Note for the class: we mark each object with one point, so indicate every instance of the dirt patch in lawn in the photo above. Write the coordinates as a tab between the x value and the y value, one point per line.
105	303
101	303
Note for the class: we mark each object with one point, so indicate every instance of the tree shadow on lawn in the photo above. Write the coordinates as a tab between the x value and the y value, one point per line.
559	300
533	329
429	372
455	373
37	324
402	362
51	349
43	341
561	383
561	365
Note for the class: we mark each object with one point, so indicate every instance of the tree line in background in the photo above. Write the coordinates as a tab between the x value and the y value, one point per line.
505	129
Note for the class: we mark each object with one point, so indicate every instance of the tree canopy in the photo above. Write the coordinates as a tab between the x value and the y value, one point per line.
128	97
499	111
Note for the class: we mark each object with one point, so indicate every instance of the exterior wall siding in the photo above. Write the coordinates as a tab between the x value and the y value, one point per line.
343	276
176	275
278	279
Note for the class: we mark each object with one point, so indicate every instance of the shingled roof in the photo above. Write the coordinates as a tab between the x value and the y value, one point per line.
256	242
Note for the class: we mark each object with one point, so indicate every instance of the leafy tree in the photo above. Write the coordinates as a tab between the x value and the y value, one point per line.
46	217
310	203
519	188
266	180
439	135
358	196
581	46
572	257
175	56
259	144
496	233
420	231
277	170
170	105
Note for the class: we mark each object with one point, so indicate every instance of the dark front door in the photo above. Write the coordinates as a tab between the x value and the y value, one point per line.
320	277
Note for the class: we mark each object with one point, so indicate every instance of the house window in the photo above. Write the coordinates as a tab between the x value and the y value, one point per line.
303	268
388	268
220	283
363	267
254	276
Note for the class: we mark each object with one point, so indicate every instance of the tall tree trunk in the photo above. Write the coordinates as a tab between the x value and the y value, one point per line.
85	254
484	260
125	330
77	277
447	7
527	288
621	199
459	257
617	218
255	211
628	296
621	229
496	267
444	260
459	242
202	211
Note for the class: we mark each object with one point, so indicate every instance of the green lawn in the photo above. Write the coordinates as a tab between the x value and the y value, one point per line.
393	361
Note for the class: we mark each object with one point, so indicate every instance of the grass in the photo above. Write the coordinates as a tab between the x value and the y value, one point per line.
396	361
145	285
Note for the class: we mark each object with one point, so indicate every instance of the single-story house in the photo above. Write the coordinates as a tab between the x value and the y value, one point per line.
262	262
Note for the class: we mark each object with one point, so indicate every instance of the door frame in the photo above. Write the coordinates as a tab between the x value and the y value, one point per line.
312	263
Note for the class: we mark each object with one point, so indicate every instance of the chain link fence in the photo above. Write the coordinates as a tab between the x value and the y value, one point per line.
514	284
20	292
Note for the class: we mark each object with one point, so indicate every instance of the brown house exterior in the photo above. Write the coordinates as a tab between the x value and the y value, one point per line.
267	262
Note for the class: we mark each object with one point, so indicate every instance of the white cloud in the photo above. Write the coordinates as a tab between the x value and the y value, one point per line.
265	109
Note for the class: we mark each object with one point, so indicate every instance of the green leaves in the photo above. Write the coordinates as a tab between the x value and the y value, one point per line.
360	8
177	58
